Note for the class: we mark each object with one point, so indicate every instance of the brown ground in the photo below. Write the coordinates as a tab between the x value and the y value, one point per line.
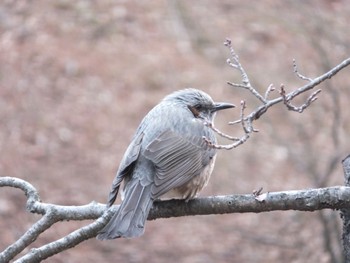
76	78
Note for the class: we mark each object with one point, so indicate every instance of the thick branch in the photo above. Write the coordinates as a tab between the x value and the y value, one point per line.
336	197
301	200
71	240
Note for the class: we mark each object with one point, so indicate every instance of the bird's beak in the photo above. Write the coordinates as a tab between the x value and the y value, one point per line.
222	106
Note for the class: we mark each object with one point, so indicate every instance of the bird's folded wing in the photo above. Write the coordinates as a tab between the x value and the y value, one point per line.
177	159
126	166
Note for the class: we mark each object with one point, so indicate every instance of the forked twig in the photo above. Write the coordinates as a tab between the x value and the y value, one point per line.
234	63
286	98
247	127
300	109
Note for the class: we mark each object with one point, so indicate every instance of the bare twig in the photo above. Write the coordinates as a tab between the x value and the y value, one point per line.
234	63
295	68
286	98
222	134
270	88
300	109
246	126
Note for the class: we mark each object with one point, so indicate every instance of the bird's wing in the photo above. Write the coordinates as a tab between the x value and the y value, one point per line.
126	166
177	160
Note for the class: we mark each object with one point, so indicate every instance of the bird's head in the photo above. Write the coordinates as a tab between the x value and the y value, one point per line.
199	103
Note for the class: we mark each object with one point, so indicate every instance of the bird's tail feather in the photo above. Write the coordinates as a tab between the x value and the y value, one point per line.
129	220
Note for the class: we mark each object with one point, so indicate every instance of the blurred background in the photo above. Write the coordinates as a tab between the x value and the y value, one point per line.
77	77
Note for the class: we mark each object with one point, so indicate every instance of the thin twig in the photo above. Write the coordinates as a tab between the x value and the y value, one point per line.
222	134
247	121
295	69
300	109
270	88
234	63
246	126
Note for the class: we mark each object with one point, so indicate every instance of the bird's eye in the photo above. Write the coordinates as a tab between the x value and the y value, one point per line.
198	107
195	110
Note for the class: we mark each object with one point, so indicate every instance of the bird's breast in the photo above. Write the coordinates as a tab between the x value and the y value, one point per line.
192	188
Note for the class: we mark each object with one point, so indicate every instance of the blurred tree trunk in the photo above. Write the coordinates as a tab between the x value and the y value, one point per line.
345	213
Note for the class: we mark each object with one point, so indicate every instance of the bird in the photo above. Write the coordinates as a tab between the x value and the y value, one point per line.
167	158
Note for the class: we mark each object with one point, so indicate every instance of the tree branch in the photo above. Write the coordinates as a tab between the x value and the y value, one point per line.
286	98
302	200
71	240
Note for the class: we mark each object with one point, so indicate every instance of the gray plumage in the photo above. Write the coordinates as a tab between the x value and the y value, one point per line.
166	157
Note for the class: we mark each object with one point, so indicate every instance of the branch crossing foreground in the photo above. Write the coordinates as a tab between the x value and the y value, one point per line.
337	197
